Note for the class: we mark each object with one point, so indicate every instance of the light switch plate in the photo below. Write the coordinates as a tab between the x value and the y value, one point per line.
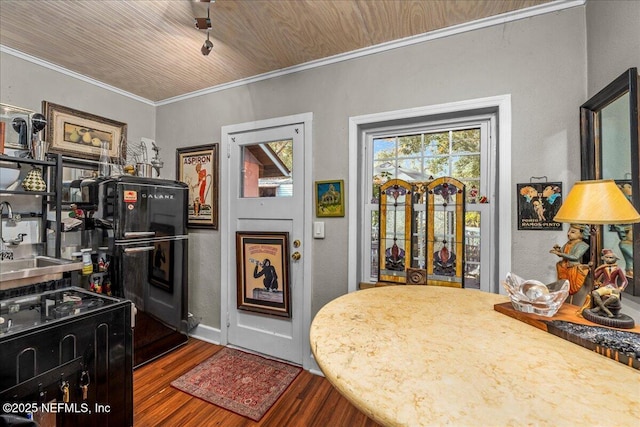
318	230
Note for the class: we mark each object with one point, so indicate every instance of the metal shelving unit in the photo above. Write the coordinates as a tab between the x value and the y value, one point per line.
52	174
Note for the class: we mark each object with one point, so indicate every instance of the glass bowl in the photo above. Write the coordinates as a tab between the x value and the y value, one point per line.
532	296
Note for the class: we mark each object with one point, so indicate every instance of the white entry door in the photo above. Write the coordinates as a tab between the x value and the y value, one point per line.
264	238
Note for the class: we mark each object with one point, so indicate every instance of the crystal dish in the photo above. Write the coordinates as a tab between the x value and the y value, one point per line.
532	296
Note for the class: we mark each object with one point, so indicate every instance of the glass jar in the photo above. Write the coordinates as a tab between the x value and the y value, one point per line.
104	168
87	264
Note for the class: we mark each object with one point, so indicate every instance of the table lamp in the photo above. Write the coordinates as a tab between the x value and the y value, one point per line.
598	202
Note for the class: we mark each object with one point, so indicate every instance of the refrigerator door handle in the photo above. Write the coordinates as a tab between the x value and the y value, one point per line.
138	249
138	234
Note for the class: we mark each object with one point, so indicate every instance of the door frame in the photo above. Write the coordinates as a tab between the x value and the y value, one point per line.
228	275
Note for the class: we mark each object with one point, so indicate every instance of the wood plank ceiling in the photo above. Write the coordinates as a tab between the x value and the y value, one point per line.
151	48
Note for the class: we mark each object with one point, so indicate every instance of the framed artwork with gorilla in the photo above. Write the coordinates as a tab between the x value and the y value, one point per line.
263	272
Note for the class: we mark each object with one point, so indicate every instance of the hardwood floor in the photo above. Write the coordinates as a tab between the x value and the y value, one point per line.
310	401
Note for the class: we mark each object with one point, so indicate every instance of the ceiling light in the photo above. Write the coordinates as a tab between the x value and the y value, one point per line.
207	46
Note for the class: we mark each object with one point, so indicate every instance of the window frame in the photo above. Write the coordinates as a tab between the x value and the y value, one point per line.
360	127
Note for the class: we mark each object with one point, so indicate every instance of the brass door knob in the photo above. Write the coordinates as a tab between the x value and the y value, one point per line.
296	256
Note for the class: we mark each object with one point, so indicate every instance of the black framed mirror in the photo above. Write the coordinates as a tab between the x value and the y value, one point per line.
609	150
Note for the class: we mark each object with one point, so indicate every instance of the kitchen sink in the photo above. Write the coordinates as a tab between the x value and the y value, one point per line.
21	272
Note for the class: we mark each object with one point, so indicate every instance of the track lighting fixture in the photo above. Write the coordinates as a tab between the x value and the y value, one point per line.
207	46
205	24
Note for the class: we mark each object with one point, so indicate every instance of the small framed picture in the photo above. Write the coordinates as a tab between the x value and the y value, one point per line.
538	204
263	272
330	198
198	168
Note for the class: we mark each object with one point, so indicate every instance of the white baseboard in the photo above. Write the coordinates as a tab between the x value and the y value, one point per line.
206	333
316	372
312	366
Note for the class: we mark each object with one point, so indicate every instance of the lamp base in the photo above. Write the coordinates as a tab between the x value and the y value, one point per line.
621	321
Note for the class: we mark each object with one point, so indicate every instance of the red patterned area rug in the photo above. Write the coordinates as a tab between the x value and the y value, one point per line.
240	382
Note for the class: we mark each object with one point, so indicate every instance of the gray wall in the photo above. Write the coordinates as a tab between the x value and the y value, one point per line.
613	40
25	84
539	61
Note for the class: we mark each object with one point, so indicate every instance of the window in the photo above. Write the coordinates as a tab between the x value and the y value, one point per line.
267	169
457	148
459	139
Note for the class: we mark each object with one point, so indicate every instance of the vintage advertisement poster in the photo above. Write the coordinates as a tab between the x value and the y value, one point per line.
198	168
263	276
538	203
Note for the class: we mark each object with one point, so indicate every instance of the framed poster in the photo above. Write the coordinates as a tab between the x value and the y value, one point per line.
78	134
330	198
198	168
538	203
263	272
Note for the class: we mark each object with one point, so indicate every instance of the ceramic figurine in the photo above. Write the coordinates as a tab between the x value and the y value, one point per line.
570	266
610	281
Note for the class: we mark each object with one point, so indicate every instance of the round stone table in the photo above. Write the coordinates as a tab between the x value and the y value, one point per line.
426	355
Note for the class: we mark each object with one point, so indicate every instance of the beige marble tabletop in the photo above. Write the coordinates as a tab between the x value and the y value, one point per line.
426	355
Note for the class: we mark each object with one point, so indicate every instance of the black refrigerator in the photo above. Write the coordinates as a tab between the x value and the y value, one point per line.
145	222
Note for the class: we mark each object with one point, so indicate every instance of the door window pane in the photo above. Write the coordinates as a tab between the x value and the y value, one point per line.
267	169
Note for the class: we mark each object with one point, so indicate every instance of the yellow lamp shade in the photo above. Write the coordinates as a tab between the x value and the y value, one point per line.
597	202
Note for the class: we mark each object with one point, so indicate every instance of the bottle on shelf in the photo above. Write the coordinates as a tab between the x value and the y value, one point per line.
87	263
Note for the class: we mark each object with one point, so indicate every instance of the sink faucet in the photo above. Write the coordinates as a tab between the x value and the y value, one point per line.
9	210
10	217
